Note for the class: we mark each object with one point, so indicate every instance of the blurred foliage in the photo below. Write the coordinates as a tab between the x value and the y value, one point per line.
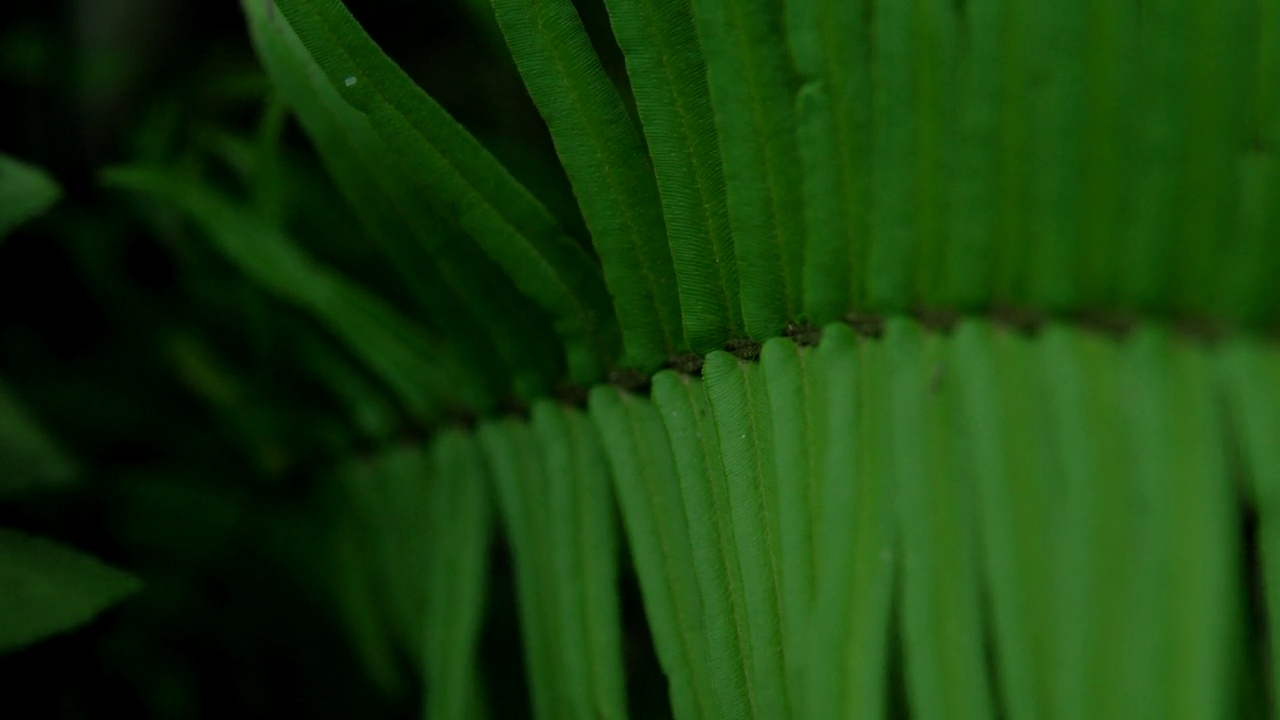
214	427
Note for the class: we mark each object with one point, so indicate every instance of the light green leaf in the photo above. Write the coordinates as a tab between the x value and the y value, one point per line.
1249	373
796	413
941	613
682	403
653	513
578	503
1000	394
50	588
741	412
555	496
849	660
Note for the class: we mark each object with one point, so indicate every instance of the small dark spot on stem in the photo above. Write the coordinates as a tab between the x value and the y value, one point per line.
804	335
1116	324
1204	329
942	320
1023	320
743	348
867	325
631	380
687	364
571	394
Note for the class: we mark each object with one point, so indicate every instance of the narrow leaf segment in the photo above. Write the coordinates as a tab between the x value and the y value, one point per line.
645	479
753	95
463	293
471	187
604	157
425	374
668	76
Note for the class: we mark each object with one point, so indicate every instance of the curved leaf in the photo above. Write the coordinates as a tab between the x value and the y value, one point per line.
606	162
463	293
472	188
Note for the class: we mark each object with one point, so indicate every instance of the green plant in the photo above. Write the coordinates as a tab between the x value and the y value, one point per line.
48	588
921	346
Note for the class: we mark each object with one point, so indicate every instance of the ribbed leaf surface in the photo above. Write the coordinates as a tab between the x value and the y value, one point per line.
668	77
604	157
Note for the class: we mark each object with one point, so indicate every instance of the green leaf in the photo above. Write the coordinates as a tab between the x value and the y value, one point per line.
1190	482
424	373
912	54
554	492
1007	64
751	84
579	506
28	456
668	77
968	261
830	45
653	513
454	283
797	413
1164	35
1215	55
936	27
460	519
1250	377
470	186
941	613
1054	38
741	412
50	588
606	162
849	656
682	403
1110	79
25	192
1091	521
1000	395
518	469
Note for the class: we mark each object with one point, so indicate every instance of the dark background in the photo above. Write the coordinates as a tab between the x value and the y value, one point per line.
207	450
